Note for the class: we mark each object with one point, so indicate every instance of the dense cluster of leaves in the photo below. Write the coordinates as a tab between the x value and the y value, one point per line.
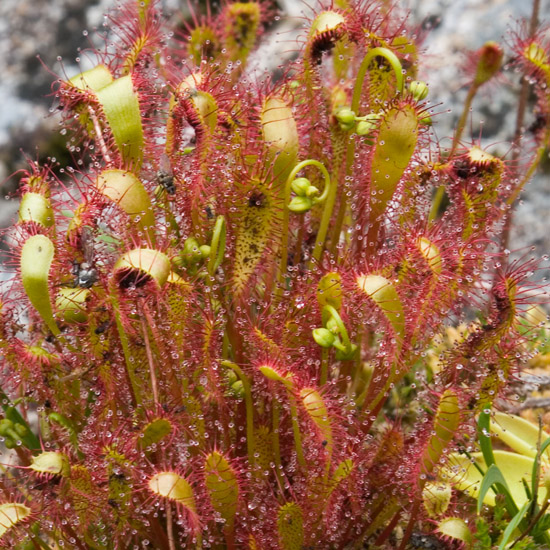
227	326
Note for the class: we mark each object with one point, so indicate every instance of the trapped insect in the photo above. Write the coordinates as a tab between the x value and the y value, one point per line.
165	176
85	274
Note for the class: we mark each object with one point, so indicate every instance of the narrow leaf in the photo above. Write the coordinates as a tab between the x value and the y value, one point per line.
514	522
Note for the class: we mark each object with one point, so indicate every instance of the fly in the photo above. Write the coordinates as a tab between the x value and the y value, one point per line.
165	176
85	274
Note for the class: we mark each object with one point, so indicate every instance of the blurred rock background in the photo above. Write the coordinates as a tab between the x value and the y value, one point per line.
57	29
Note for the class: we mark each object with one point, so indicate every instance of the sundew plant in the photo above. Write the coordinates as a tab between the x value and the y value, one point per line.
265	312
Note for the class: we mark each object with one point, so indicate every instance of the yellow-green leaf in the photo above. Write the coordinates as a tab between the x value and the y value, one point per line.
223	486
463	475
290	525
94	79
445	425
121	108
155	431
318	413
36	258
395	146
383	293
281	135
12	513
37	208
143	264
127	191
51	462
175	488
70	304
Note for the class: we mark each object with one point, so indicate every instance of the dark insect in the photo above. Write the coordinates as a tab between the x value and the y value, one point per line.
256	199
426	542
431	22
102	327
462	168
85	274
165	176
209	212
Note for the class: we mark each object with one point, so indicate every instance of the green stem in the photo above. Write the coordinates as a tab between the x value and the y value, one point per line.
325	220
363	68
296	430
532	168
355	104
463	117
133	386
250	440
324	366
217	248
330	312
276	443
286	213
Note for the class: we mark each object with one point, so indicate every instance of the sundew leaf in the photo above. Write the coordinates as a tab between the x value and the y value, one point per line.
12	513
383	293
36	259
257	218
142	264
318	413
290	525
129	194
36	208
223	486
446	422
175	488
455	528
431	254
395	146
281	135
70	304
121	108
241	29
94	79
51	462
155	431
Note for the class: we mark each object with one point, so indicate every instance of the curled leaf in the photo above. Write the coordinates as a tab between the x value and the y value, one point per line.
12	513
71	304
36	258
141	265
51	462
383	293
121	108
127	192
37	208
